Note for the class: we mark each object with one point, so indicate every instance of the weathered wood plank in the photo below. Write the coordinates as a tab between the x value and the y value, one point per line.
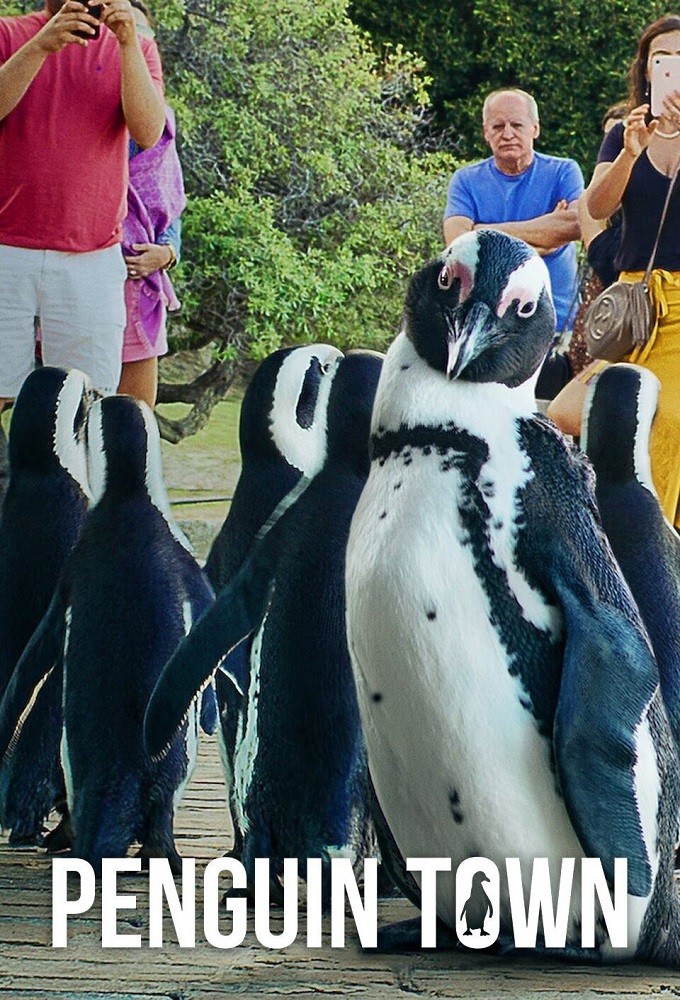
30	968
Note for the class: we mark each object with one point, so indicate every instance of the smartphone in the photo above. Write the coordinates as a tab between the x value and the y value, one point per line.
96	11
664	79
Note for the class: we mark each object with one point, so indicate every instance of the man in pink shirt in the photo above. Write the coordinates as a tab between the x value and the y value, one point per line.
68	104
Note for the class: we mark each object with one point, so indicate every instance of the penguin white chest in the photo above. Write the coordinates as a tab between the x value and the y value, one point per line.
456	756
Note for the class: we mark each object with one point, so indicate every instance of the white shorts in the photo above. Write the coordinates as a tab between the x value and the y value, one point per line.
78	298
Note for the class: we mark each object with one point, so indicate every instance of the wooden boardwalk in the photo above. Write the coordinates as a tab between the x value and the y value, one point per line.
31	970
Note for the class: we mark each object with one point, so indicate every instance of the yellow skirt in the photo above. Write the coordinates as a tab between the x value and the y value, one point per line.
662	356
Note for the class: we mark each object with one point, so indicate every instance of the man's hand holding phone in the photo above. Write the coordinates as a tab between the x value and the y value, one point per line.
73	22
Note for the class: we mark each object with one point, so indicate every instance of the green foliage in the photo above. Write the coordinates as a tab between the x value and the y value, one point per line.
310	196
572	55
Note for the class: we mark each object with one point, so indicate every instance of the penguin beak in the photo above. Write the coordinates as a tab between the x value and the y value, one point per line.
470	335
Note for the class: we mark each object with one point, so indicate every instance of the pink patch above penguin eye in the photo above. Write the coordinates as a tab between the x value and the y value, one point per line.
526	300
456	269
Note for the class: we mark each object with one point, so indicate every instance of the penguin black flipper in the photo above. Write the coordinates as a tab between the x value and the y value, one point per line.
201	598
609	674
237	612
43	655
596	764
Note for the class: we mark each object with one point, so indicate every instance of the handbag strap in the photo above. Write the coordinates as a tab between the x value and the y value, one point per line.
648	271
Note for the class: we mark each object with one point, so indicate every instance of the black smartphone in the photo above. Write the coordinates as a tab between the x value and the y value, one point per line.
96	11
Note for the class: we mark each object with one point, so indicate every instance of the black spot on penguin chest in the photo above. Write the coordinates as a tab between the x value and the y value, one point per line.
533	655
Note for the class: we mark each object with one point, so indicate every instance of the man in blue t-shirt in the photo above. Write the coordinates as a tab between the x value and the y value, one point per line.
523	193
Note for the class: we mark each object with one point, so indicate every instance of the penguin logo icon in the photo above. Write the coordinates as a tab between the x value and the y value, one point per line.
478	906
478	918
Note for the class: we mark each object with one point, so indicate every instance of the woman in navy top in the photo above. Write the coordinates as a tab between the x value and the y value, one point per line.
636	161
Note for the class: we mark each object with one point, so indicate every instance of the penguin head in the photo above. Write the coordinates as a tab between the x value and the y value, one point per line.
482	311
350	407
123	447
283	415
617	422
47	431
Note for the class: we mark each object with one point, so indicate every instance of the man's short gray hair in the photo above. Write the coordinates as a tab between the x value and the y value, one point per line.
532	107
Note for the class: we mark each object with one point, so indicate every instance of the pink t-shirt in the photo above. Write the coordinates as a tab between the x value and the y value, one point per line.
64	147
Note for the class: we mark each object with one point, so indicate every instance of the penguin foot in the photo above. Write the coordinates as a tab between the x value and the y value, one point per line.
24	837
406	936
61	838
149	851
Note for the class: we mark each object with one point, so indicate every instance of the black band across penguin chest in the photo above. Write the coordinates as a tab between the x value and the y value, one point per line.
528	647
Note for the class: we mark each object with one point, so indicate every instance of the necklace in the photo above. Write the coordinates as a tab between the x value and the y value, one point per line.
667	135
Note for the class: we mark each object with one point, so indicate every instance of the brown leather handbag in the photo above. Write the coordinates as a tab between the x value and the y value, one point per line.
622	317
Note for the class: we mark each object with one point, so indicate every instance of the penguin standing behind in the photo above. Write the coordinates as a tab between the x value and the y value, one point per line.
299	785
620	408
282	436
509	696
42	517
129	592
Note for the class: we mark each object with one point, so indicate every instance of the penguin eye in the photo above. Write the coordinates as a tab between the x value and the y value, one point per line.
527	308
445	279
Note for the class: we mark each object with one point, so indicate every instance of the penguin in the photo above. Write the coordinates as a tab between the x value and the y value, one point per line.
477	907
508	692
299	781
129	592
43	514
282	437
619	411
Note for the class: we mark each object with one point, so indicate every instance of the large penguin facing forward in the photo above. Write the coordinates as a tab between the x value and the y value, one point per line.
129	592
508	692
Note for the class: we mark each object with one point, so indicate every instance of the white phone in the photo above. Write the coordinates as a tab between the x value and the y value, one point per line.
664	79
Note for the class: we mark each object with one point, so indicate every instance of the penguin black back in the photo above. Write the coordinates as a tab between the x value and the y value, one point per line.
282	435
619	413
42	517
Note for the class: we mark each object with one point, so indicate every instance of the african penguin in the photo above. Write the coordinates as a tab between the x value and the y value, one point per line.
282	436
299	782
128	594
42	517
508	693
619	411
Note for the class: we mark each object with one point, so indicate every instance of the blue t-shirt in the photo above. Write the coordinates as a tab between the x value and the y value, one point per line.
483	193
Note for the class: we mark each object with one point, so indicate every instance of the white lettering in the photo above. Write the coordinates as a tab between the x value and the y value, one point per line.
237	906
61	905
290	897
112	903
365	915
525	923
182	914
428	868
614	915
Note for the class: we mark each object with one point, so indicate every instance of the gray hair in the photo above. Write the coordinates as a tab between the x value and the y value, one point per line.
532	107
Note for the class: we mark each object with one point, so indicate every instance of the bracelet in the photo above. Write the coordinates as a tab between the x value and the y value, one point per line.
173	258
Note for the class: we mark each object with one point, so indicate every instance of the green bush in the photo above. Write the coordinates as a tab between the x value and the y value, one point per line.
572	55
311	197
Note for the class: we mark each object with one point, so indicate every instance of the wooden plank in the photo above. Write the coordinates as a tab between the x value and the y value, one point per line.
30	968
